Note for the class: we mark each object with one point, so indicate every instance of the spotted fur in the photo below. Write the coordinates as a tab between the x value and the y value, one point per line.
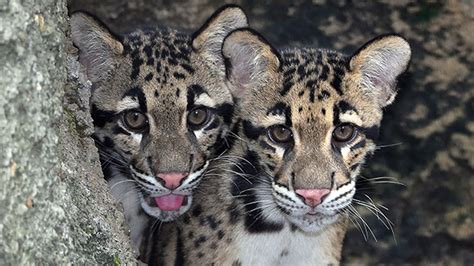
164	75
254	216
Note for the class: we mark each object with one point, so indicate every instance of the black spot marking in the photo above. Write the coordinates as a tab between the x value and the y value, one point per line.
101	117
178	75
251	131
324	95
149	77
137	92
280	108
226	111
197	210
323	111
108	142
324	73
178	92
335	113
150	61
211	221
188	68
136	63
200	240
220	234
346	107
148	51
193	92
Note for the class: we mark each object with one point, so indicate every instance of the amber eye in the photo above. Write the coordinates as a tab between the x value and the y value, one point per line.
198	116
344	133
135	120
280	134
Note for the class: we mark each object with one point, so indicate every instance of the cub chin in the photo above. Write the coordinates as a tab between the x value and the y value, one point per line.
161	110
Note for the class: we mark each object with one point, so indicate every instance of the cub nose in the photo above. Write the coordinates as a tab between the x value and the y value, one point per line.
313	197
172	180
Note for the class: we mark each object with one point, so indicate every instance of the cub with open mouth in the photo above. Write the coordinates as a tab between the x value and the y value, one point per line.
161	111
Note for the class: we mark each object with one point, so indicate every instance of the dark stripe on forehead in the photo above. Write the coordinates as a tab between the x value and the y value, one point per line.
281	108
251	131
101	117
335	114
137	94
337	79
345	107
193	92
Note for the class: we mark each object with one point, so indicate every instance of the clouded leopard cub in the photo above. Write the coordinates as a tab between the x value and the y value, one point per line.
161	110
308	118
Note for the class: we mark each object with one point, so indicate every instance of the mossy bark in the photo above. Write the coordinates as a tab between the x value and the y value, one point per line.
54	204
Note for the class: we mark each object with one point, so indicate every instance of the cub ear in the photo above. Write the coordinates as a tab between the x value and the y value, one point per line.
209	38
378	64
98	48
250	61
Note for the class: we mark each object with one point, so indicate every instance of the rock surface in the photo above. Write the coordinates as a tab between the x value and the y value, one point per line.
54	204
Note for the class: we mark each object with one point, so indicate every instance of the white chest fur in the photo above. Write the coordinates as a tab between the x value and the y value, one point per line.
286	247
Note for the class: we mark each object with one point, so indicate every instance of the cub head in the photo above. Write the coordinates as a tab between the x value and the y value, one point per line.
308	119
160	105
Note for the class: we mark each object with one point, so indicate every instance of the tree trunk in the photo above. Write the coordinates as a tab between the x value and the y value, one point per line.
54	203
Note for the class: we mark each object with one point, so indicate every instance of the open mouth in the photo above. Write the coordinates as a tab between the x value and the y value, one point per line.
170	202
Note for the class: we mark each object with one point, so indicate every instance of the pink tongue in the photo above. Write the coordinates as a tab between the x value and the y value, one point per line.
169	202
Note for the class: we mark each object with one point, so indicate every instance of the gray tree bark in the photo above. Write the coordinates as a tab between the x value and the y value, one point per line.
54	204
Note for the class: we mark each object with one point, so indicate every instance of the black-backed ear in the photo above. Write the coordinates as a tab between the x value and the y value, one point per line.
251	62
378	64
98	47
209	38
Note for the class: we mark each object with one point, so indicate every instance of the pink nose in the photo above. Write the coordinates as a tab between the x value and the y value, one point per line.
312	197
172	179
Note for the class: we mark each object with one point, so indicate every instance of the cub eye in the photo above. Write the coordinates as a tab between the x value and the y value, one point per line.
280	134
135	120
198	117
344	133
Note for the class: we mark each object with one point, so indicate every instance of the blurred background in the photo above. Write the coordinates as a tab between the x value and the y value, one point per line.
427	137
